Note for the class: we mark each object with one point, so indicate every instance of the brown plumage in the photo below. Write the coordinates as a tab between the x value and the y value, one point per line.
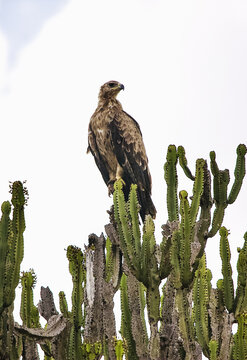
115	140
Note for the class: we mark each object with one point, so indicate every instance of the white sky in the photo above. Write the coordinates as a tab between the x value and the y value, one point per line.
183	65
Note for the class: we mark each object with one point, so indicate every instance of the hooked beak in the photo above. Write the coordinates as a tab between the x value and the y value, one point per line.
121	86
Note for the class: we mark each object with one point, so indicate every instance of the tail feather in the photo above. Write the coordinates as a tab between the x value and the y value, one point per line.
147	205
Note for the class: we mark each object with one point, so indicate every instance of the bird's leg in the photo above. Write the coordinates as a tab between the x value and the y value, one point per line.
110	186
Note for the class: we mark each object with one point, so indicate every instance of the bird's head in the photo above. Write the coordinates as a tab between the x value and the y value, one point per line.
110	90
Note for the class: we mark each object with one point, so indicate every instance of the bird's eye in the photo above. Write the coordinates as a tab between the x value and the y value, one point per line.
111	84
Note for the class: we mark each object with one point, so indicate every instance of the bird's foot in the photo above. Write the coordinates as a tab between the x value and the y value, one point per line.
110	186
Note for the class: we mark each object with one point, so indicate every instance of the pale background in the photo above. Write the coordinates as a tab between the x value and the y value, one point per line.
183	64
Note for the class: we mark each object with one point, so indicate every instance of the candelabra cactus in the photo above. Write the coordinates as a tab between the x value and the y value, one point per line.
170	280
180	259
11	255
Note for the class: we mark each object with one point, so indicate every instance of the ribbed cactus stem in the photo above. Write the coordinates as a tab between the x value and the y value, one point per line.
225	254
241	293
134	208
15	242
4	234
77	271
63	305
239	173
197	190
121	214
220	184
186	238
240	339
171	179
29	312
201	294
183	163
126	330
213	348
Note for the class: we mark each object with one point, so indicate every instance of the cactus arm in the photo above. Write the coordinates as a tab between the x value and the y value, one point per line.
122	219
4	233
165	262
185	321
134	208
239	173
108	260
77	272
213	347
225	254
126	330
149	263
15	242
142	291
63	305
216	174
241	293
175	261
220	184
186	238
240	339
29	312
119	349
183	163
201	290
197	190
172	183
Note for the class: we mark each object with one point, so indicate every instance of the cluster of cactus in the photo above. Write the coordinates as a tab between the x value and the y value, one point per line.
169	281
190	317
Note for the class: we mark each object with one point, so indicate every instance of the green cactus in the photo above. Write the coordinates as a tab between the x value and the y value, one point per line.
201	297
171	179
191	317
240	339
126	330
5	224
221	181
11	255
77	272
15	242
239	173
213	347
225	254
241	293
91	351
183	163
120	349
29	312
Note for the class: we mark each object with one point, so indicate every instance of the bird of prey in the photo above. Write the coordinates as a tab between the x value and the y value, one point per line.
115	140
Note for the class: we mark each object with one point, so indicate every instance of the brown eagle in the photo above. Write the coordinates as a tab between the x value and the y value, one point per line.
115	140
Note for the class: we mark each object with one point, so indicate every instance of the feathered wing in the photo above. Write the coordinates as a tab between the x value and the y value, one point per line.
131	154
93	148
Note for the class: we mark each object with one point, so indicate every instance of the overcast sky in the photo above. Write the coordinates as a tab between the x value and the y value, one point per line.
183	65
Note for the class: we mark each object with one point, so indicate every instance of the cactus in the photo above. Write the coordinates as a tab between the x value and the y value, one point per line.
187	318
11	255
181	260
29	313
77	272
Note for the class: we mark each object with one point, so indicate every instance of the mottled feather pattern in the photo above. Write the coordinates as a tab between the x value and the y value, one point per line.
115	140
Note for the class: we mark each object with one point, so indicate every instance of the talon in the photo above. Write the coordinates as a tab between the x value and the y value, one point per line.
110	186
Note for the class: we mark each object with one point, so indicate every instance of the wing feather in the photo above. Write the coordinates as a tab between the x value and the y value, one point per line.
130	151
93	148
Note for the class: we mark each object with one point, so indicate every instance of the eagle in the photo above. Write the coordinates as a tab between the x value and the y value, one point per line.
115	141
